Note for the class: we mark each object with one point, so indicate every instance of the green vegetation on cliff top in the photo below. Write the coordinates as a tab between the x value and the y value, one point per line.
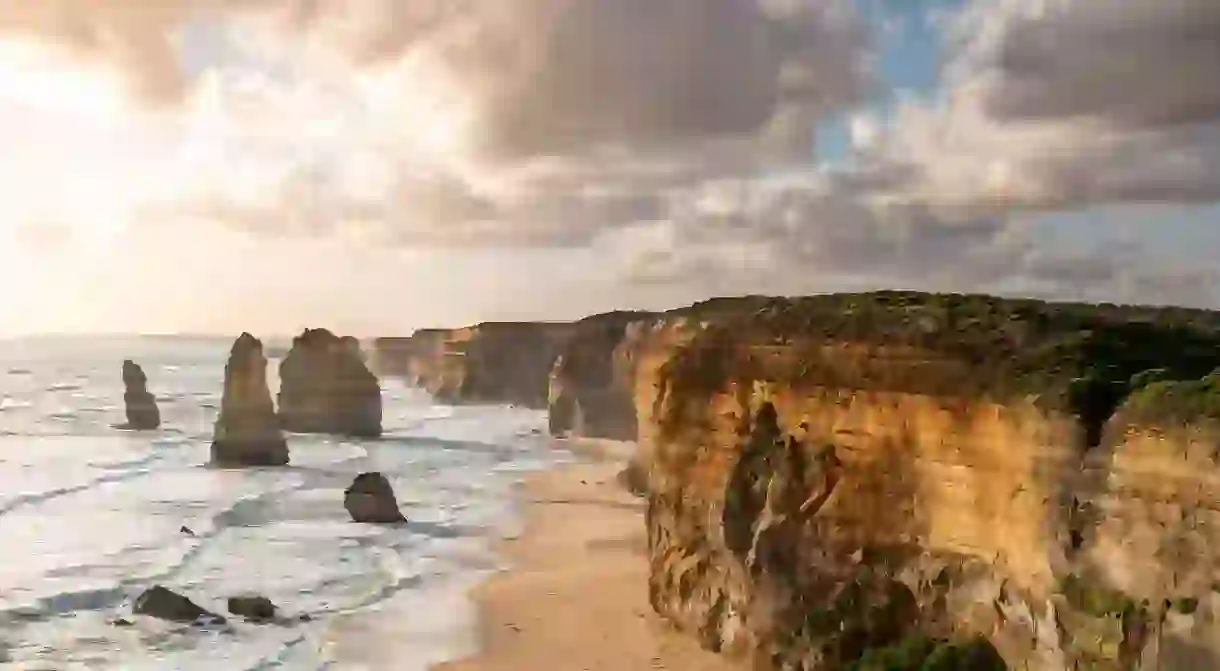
921	653
1080	357
1168	401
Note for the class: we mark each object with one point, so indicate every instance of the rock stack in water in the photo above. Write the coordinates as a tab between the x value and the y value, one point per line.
370	500
247	431
325	387
142	412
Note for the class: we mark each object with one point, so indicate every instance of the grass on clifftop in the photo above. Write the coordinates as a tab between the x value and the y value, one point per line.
1074	357
1169	402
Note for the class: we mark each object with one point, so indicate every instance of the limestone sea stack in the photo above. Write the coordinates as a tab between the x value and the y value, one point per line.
370	500
325	387
142	412
247	431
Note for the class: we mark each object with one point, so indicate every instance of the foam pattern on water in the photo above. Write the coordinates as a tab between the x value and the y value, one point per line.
90	516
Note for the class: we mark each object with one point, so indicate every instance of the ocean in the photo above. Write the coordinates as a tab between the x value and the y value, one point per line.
90	516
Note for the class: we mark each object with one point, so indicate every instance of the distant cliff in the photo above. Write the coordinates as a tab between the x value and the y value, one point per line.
903	480
591	380
602	381
493	362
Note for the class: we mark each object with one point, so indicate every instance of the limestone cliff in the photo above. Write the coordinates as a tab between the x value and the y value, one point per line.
489	363
325	387
413	357
589	393
1149	519
840	478
602	382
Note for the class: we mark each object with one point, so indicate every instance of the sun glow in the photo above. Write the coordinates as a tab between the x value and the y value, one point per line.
41	78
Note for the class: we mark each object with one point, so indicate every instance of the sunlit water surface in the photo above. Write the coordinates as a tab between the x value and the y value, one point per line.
90	516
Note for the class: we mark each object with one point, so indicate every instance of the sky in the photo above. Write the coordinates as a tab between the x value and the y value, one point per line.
376	166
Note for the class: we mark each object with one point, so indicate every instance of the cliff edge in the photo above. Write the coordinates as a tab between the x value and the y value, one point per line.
603	380
894	479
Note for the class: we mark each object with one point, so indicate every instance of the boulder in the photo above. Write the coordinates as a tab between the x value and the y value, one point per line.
634	478
165	604
325	387
247	432
142	412
252	607
370	500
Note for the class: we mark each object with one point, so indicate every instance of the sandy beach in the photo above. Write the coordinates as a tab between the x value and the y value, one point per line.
576	597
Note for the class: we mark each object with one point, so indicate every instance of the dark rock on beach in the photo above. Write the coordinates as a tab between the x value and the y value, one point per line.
252	607
165	604
370	500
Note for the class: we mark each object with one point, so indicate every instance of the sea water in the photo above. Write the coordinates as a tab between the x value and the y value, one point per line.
90	516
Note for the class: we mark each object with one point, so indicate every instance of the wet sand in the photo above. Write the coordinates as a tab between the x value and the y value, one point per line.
576	597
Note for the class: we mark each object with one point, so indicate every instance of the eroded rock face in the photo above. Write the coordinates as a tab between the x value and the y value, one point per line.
838	480
325	387
141	406
605	381
1147	534
247	432
489	363
590	393
370	500
165	604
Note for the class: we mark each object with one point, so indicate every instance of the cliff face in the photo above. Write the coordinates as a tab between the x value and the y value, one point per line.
496	362
602	384
842	479
589	388
1150	518
414	357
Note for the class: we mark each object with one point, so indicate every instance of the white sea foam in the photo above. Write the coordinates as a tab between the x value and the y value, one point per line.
90	516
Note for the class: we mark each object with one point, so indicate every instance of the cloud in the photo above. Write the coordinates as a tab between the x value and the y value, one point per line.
1060	60
457	122
1039	112
820	227
1066	104
676	136
527	77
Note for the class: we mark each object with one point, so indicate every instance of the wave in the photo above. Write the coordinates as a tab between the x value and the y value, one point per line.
65	386
64	603
281	532
22	500
10	403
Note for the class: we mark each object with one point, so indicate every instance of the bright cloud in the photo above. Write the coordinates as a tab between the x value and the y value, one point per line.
675	137
1065	104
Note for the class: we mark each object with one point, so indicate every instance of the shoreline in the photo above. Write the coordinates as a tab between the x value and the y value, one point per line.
576	593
